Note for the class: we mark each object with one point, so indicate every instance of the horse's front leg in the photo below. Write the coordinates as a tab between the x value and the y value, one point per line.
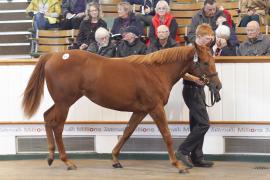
158	115
135	119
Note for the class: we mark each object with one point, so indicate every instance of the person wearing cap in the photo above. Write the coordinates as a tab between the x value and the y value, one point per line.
163	40
103	46
131	43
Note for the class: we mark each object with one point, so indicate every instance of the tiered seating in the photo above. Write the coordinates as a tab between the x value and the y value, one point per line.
184	12
54	40
13	28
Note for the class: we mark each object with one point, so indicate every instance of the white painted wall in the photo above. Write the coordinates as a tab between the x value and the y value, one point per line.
245	97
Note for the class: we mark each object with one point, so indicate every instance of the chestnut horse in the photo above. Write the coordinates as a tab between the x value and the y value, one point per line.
140	84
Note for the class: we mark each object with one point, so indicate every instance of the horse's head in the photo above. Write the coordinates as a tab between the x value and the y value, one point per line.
205	68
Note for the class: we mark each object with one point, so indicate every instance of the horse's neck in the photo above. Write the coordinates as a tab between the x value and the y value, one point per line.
171	73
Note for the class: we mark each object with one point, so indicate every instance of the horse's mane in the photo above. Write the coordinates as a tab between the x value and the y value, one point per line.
162	56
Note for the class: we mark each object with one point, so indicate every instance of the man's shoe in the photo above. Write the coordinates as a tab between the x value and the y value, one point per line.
203	163
184	159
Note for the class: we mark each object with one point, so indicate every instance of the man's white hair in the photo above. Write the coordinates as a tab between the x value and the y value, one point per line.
223	31
101	32
163	27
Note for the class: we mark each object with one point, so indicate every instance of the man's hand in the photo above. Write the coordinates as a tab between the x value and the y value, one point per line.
83	46
198	81
147	10
195	79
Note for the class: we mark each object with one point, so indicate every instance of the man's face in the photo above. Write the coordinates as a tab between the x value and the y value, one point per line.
163	33
103	41
210	10
252	31
129	37
205	40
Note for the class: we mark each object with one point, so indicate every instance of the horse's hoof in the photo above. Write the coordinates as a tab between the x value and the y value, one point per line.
183	171
72	167
50	161
117	165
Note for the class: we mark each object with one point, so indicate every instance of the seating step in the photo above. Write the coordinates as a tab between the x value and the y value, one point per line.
14	38
15	49
13	15
12	5
15	25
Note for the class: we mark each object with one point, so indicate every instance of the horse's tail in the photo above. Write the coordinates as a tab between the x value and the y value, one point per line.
35	88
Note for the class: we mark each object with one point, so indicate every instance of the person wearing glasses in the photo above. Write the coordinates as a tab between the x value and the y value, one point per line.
163	17
89	25
257	44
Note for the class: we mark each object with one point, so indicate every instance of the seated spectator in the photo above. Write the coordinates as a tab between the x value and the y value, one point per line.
257	44
163	40
45	15
147	10
126	18
89	25
228	17
103	46
163	16
208	14
131	43
73	12
249	12
222	46
233	40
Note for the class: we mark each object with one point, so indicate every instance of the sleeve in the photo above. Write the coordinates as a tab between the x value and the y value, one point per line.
191	34
92	48
238	51
233	38
173	28
139	26
104	24
65	7
32	6
143	49
268	49
80	37
152	35
114	27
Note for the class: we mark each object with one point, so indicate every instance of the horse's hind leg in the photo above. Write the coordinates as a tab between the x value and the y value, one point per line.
61	111
135	119
159	117
49	133
54	123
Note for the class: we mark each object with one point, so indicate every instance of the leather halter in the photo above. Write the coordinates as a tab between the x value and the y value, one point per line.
205	78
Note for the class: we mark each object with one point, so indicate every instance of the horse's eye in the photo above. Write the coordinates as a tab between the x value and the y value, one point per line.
206	63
